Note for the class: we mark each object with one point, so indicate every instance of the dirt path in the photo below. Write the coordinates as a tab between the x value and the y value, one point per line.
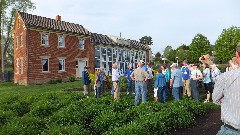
208	124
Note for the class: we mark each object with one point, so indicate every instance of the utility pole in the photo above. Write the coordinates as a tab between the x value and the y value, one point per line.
2	53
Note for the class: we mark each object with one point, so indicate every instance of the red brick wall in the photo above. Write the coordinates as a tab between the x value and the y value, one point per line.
20	52
71	52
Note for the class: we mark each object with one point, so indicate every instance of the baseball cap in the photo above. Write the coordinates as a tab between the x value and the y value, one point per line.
142	61
86	67
174	65
238	47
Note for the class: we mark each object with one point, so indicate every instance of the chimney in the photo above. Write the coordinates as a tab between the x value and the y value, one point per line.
58	18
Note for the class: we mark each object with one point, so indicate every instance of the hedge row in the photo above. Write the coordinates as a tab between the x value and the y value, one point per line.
71	113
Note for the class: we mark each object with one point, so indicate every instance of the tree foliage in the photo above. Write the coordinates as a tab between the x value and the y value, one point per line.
146	40
200	46
8	10
226	44
170	53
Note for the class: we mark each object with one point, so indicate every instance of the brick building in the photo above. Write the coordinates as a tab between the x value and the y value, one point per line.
50	49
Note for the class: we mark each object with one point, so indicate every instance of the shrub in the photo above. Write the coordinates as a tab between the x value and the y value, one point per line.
5	117
67	130
52	82
24	126
59	81
71	78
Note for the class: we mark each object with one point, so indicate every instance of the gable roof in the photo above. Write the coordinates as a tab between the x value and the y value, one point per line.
106	40
34	21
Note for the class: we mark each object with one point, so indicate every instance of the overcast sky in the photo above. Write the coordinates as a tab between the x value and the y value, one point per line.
168	22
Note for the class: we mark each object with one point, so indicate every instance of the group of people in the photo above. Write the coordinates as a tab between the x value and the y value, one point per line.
224	88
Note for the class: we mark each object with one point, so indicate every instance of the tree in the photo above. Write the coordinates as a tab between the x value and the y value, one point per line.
182	52
146	40
200	46
157	56
170	53
8	10
226	44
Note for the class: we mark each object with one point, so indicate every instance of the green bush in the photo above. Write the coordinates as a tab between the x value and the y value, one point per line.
71	78
6	116
67	130
24	126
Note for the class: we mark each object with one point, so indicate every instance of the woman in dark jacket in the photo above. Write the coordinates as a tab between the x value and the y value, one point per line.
160	83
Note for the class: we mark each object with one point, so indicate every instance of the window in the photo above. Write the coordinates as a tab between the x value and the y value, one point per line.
45	39
45	64
17	43
61	63
21	40
81	43
61	41
21	61
17	64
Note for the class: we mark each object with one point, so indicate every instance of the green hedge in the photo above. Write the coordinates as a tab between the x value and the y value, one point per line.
72	113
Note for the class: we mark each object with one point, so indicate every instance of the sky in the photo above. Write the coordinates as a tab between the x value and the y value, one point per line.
168	22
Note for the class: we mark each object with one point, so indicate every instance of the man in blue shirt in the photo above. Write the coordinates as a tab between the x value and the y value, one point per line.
186	79
86	81
176	81
128	73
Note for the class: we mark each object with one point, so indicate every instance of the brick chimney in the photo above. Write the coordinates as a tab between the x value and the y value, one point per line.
58	18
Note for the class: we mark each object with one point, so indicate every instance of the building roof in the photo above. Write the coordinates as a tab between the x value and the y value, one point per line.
111	40
52	24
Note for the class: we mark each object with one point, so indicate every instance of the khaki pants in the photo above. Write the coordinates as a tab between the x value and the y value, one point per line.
86	90
116	90
186	88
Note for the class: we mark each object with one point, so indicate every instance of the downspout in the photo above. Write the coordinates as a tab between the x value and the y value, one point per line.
27	56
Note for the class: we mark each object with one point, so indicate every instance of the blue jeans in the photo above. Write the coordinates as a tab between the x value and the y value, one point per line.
112	90
130	88
139	89
176	93
162	94
194	90
227	131
98	92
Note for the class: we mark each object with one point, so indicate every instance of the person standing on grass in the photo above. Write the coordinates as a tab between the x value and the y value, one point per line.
150	78
207	81
144	67
115	80
102	79
128	73
227	94
186	79
160	83
166	73
86	81
176	81
196	75
140	77
97	84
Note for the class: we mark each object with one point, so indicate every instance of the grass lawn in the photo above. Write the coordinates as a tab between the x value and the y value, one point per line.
8	88
48	109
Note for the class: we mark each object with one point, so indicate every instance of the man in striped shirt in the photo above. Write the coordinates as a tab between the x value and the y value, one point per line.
227	94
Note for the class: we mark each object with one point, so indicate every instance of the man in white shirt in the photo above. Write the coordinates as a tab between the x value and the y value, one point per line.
196	75
115	80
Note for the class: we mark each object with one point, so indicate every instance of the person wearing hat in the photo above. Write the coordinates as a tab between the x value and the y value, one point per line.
86	81
196	75
186	79
227	94
176	81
